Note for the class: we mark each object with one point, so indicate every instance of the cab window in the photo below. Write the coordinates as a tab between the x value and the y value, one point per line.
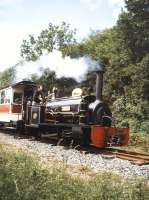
17	98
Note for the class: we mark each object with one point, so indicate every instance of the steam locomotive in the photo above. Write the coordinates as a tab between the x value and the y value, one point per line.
86	119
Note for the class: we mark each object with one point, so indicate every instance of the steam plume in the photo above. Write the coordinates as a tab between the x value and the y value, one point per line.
75	68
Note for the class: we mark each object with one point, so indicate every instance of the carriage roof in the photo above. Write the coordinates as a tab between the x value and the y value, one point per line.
20	83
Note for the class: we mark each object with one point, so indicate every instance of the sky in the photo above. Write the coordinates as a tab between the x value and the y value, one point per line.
19	18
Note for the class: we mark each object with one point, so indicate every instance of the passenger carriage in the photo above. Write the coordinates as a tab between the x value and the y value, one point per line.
13	102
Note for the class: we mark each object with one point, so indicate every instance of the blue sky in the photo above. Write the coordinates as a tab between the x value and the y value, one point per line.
19	18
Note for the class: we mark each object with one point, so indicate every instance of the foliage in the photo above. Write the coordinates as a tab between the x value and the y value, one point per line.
54	37
7	77
134	26
65	86
139	142
48	80
22	178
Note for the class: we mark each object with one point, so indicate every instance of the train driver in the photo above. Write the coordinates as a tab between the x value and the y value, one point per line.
38	97
53	95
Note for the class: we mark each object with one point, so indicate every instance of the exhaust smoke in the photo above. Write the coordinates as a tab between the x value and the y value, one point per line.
63	66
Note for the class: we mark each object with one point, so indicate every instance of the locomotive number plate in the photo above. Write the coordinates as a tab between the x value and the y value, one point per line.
66	108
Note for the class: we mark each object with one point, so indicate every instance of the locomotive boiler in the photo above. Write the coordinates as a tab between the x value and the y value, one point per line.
80	109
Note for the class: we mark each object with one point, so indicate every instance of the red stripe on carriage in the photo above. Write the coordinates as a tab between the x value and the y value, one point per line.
16	108
5	108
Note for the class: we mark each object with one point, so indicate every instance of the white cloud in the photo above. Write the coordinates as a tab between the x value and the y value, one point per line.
119	3
116	12
10	41
91	4
9	47
9	2
117	6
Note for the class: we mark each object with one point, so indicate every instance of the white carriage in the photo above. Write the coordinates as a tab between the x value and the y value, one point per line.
13	101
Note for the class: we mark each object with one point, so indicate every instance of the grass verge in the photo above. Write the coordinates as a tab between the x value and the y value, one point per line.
23	178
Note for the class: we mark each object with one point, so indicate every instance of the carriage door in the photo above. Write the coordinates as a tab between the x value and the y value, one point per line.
17	105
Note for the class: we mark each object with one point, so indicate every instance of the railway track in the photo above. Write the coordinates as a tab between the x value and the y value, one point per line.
134	157
111	153
107	153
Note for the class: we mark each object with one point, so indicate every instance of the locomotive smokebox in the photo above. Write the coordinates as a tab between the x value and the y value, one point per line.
99	84
100	111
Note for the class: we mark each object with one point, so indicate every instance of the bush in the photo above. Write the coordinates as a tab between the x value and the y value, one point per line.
140	141
22	178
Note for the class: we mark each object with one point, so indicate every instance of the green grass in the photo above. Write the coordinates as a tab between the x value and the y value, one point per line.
139	141
23	178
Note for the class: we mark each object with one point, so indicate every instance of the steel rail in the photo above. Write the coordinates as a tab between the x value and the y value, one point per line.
134	157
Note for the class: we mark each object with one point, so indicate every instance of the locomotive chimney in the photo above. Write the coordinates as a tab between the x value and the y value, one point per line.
99	84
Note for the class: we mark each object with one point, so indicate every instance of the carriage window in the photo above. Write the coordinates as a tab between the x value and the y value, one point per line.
7	95
17	98
2	99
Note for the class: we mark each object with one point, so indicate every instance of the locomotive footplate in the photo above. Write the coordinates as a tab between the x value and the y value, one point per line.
78	132
32	125
64	125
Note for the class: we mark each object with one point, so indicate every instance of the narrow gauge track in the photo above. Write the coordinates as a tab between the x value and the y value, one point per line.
107	153
110	153
134	157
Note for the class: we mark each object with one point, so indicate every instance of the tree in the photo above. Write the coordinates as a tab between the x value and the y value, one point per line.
65	85
54	37
47	79
134	28
7	77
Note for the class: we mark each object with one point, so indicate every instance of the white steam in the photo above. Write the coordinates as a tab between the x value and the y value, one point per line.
63	66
